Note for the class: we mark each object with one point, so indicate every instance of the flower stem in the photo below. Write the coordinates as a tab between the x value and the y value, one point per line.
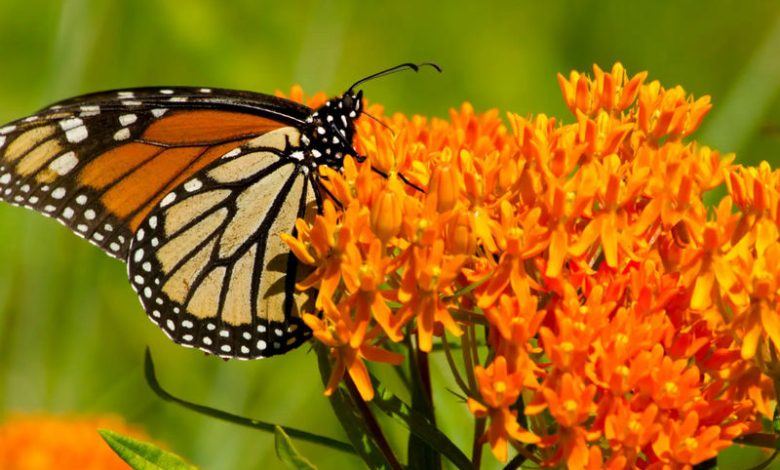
476	446
454	367
372	424
466	340
421	454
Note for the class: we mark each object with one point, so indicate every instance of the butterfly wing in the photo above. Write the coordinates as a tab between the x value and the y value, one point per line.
100	163
208	263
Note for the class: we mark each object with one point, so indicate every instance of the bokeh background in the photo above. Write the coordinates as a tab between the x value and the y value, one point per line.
72	333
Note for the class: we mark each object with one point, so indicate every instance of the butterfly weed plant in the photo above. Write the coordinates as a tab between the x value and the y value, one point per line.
592	310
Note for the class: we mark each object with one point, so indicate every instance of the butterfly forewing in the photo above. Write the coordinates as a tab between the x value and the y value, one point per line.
208	262
100	163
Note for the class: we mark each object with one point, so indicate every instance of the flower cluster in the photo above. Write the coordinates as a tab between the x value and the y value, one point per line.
38	442
627	324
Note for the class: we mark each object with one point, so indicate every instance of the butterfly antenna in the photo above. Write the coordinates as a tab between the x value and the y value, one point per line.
380	123
392	70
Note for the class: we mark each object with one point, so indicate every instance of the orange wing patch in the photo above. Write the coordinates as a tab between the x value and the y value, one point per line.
108	167
137	175
148	180
200	127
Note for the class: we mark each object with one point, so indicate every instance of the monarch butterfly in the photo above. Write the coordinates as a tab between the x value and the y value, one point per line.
191	187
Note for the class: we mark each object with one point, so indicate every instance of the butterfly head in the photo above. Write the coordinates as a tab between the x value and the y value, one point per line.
331	128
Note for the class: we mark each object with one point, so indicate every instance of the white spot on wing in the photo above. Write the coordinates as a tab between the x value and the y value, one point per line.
127	119
193	185
63	164
122	134
77	134
232	153
87	111
167	200
70	123
67	213
58	193
157	112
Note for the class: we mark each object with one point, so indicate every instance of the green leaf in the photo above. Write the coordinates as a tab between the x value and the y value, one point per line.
287	452
420	427
142	455
349	415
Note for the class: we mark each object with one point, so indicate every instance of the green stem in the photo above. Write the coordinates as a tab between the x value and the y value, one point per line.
454	367
372	425
476	447
421	453
465	342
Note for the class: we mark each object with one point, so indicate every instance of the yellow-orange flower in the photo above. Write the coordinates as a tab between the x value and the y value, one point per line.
336	332
44	442
499	390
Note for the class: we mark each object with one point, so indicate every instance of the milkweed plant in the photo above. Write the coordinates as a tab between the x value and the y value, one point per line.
592	311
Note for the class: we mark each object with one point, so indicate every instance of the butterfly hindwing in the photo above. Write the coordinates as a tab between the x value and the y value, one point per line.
208	263
99	163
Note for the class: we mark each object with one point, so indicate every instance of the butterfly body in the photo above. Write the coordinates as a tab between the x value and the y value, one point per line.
191	187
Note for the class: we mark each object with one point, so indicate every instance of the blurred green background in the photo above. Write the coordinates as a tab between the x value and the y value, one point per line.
72	333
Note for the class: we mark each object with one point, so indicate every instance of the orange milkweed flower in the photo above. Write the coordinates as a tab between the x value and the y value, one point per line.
687	442
43	442
336	331
613	92
499	390
428	276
